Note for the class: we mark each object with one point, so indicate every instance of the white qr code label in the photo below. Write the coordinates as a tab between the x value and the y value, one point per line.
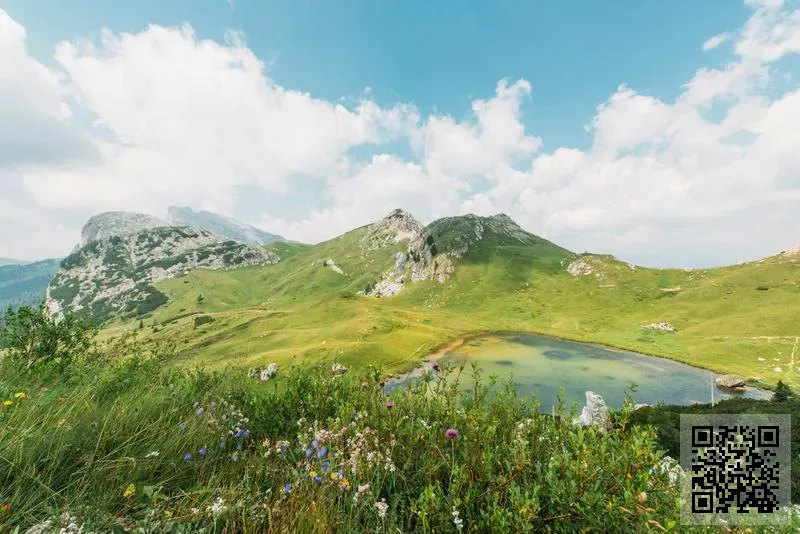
736	468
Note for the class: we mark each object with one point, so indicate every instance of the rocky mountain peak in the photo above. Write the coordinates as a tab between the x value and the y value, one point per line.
117	223
396	227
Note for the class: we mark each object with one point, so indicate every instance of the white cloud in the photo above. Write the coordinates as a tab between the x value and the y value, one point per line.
715	41
180	120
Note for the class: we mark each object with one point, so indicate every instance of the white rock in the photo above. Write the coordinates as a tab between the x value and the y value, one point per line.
595	412
338	368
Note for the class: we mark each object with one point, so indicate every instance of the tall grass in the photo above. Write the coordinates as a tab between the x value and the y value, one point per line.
132	447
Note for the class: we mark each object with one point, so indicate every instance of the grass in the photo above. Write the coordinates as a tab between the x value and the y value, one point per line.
301	311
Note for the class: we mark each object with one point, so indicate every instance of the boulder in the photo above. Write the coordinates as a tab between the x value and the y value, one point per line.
642	405
338	369
595	412
730	381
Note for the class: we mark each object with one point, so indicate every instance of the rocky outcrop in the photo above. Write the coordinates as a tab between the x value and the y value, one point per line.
395	228
225	227
112	275
730	381
595	413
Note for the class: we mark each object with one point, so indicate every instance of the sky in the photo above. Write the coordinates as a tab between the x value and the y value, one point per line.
665	133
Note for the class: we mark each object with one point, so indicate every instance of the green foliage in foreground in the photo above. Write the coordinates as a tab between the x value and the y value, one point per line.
106	443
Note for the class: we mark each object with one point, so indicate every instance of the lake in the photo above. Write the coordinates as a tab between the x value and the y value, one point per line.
541	365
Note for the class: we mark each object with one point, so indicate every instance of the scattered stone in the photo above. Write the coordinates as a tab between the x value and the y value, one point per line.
663	327
580	267
595	412
338	368
263	374
671	467
330	264
730	381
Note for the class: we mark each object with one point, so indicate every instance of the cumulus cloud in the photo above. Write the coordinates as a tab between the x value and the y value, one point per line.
180	120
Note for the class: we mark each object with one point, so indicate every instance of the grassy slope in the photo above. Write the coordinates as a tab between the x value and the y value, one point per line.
294	311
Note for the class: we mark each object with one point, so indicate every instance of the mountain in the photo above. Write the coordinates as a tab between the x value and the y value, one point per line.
434	251
121	255
117	223
11	261
390	292
25	284
222	226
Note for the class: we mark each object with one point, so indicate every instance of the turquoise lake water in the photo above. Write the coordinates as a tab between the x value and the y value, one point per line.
541	365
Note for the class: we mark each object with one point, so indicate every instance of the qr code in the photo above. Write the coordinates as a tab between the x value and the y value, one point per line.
736	467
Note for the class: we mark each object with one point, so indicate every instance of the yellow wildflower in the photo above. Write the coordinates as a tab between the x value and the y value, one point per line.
8	402
334	476
167	513
312	474
20	395
130	490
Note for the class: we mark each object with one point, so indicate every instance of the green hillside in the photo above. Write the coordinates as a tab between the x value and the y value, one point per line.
743	319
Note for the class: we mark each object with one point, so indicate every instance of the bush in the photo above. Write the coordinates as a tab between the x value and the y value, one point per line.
31	337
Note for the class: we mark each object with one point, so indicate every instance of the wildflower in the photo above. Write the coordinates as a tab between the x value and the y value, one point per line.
246	434
382	508
213	404
309	452
390	404
8	402
182	427
287	488
187	456
334	476
20	395
129	491
238	446
200	411
222	444
235	457
315	444
436	367
325	465
457	521
345	484
318	479
151	454
218	506
451	433
312	474
202	451
282	446
322	452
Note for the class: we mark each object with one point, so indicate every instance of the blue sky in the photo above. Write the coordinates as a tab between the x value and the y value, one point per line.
438	55
663	132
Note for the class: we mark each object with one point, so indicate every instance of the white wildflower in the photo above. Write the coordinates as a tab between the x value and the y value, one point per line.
457	521
382	508
218	506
